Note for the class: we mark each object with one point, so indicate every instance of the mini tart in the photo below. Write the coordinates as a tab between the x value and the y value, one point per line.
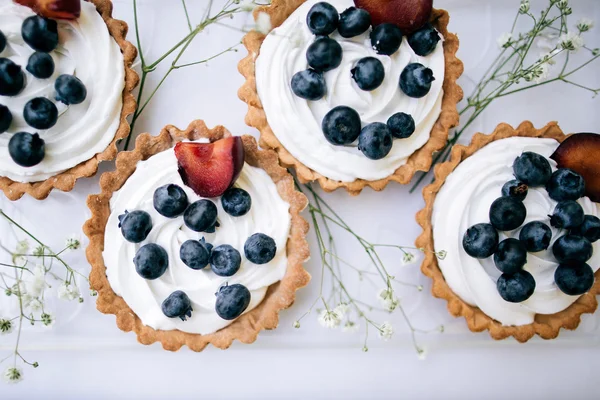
65	181
280	295
547	326
420	160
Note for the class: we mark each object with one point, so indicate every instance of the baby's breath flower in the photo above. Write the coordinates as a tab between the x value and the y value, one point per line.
350	327
6	326
22	247
39	251
537	73
505	40
93	293
246	6
36	284
571	41
524	7
596	52
365	349
441	254
68	292
263	23
388	300
13	375
563	6
422	353
73	242
33	303
342	310
386	331
548	58
585	24
408	258
296	324
329	319
47	319
8	291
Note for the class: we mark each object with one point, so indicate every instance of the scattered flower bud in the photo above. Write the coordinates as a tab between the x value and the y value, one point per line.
296	324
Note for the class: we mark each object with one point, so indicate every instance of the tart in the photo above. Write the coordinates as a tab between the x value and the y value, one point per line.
350	104
70	83
184	268
520	231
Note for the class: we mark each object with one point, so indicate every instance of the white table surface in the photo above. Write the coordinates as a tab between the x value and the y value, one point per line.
90	358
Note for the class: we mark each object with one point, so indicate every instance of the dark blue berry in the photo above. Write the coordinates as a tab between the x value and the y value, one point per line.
415	80
70	90
353	22
232	301
40	113
565	184
151	261
225	260
322	19
515	189
507	213
517	287
41	34
12	78
236	202
424	41
574	279
386	39
5	118
480	241
201	216
40	65
260	248
341	125
309	84
170	200
27	149
510	256
195	253
368	73
572	248
2	42
535	236
178	304
567	215
532	169
375	141
589	229
324	54
401	125
135	226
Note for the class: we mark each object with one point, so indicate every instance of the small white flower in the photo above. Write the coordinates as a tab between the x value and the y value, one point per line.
13	375
571	41
68	292
39	251
34	303
548	58
350	327
296	324
386	331
422	353
563	6
35	284
505	40
342	310
524	7
6	326
263	23
585	24
441	254
47	319
329	319
388	300
538	73
22	247
73	242
408	258
247	6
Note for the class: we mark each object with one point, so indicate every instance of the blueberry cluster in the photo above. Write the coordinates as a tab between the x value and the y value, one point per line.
151	260
573	276
41	34
342	125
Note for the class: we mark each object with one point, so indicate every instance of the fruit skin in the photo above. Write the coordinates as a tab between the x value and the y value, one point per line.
572	248
565	184
532	169
507	213
322	18
56	9
151	261
341	125
236	202
567	215
480	240
589	229
324	54
178	304
225	260
535	236
517	287
41	34
195	253
574	279
201	216
40	113
12	78
232	301
27	149
40	65
401	125
5	118
260	248
353	22
415	80
135	226
386	39
375	141
511	256
408	15
515	189
368	73
70	90
309	84
170	200
2	42
424	41
210	168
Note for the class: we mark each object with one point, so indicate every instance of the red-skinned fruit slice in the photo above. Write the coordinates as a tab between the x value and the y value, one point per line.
210	168
581	153
55	9
408	15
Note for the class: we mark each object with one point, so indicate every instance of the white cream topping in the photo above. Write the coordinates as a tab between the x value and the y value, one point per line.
296	122
269	214
465	199
85	50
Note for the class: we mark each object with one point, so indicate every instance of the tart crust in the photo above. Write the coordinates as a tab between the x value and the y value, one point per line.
280	295
420	160
65	181
546	326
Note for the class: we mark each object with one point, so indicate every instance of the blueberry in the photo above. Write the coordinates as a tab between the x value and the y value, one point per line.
589	229
353	22
507	213
375	141
27	149
201	216
151	261
309	84
2	42
170	200
195	253
515	189
236	202
135	226
260	248
572	248
324	54
41	34
386	39
341	125
12	78
510	256
40	113
517	287
225	260
480	241
40	65
567	215
70	90
565	184
532	169
574	279
401	125
178	304
424	41
368	73
415	80
5	118
232	301
322	19
535	236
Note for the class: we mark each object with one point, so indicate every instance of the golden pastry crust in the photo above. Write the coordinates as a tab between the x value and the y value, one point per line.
546	326
279	296
65	181
420	160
